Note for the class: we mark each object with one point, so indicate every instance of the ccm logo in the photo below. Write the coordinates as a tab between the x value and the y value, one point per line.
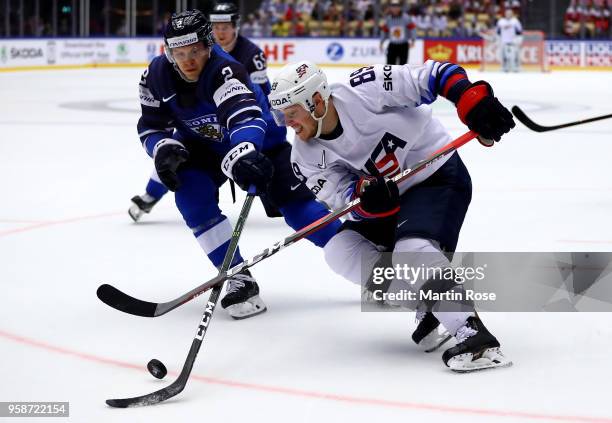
205	320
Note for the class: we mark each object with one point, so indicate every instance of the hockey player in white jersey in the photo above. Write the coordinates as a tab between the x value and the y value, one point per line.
509	32
350	136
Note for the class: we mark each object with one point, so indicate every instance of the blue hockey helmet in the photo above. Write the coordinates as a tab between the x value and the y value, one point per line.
225	12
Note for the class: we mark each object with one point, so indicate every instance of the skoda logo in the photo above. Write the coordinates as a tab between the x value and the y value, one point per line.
335	51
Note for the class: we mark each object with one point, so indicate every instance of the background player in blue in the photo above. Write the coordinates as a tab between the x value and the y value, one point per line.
203	121
225	19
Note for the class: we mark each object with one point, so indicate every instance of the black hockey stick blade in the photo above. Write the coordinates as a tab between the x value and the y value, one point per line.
179	384
169	391
121	301
149	399
525	120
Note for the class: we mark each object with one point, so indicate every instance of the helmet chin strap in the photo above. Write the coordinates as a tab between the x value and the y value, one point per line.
320	119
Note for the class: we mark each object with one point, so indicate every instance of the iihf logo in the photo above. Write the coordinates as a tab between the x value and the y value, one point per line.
301	70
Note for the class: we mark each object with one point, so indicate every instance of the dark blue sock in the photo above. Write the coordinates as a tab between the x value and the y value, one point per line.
156	189
301	214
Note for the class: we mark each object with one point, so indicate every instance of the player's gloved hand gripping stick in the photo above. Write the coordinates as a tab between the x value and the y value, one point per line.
128	304
217	283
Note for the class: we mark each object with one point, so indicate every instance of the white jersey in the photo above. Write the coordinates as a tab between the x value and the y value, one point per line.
387	127
508	30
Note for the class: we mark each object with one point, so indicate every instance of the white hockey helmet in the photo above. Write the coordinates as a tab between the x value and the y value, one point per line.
295	84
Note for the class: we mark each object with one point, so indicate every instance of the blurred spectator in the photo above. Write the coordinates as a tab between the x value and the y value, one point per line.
587	19
439	25
349	18
424	24
571	22
252	27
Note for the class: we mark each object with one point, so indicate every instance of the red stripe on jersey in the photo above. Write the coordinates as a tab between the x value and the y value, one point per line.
452	80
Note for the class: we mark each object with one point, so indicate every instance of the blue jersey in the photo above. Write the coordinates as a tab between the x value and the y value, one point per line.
254	60
222	109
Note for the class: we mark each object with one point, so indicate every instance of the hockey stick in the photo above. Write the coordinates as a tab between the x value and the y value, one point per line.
179	384
128	304
524	119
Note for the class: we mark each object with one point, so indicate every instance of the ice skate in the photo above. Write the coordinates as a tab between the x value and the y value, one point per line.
427	335
476	349
141	204
242	297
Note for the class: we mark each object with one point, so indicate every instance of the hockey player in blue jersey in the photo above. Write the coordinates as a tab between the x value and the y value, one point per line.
225	20
204	121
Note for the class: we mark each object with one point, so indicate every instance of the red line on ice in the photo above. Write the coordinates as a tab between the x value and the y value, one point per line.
57	222
313	394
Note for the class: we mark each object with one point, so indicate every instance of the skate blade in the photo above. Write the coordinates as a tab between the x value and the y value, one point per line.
251	307
490	359
434	340
135	212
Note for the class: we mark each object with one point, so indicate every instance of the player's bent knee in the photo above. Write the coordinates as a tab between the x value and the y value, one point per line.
347	248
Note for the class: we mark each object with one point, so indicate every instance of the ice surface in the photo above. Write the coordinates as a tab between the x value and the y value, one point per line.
70	161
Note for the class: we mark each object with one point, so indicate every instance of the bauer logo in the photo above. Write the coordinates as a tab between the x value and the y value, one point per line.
335	51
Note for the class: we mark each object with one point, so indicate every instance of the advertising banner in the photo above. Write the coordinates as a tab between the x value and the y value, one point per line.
463	52
598	53
564	53
472	52
82	52
589	54
330	51
16	53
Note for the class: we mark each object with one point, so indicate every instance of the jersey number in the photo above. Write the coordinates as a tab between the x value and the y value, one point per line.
361	75
259	60
227	73
143	78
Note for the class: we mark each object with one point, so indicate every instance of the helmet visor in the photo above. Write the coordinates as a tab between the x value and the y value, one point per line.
186	53
279	117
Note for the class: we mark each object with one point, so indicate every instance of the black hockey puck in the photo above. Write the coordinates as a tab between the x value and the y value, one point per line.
157	368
